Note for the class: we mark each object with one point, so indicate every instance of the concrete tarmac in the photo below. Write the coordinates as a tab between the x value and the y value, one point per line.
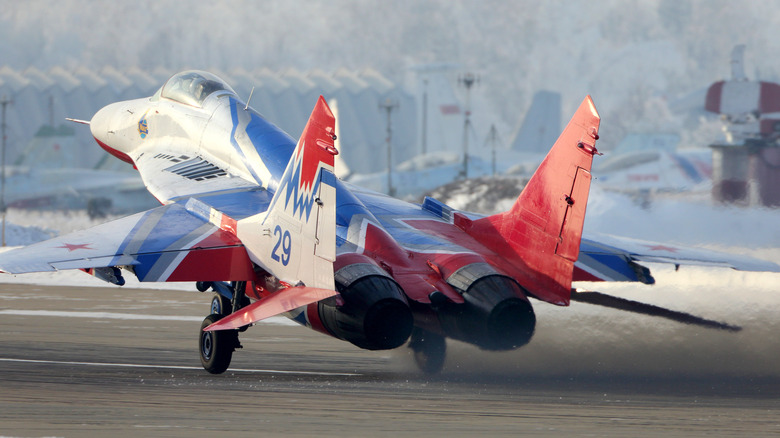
82	362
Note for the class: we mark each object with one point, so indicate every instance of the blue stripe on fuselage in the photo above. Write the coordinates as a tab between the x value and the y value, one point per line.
274	146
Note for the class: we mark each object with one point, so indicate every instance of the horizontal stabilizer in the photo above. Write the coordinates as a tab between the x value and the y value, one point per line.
273	305
610	258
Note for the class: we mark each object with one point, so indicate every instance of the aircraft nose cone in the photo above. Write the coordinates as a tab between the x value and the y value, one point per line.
100	124
106	127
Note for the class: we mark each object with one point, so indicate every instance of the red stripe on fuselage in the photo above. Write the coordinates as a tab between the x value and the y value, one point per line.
121	155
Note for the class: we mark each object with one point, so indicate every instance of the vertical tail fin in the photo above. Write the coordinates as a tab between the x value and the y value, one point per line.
295	240
543	228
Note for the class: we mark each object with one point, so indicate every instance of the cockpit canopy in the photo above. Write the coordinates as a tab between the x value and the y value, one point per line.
192	87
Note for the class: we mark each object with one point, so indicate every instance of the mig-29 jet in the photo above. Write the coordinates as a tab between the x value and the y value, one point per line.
263	221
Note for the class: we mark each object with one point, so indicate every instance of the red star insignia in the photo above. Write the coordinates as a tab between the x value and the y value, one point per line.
661	248
74	246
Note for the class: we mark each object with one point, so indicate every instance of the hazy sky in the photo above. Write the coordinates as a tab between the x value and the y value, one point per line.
623	52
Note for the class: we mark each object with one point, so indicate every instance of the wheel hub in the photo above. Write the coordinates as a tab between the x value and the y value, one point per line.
207	345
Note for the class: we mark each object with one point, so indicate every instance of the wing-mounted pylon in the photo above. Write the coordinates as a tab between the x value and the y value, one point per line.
295	240
541	232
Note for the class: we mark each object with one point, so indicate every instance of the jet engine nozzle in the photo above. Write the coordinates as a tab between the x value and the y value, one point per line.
374	315
496	314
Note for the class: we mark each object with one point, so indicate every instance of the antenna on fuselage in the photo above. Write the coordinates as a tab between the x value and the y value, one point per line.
83	122
250	98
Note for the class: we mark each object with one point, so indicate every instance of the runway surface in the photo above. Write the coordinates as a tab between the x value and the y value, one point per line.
113	361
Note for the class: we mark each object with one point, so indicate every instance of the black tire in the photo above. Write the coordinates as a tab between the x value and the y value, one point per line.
203	286
430	350
216	348
221	305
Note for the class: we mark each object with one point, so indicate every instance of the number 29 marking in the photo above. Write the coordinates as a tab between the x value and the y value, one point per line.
284	240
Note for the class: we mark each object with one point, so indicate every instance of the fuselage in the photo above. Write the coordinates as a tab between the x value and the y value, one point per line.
410	244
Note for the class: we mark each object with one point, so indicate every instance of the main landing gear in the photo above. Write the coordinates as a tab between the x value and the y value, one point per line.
430	350
217	347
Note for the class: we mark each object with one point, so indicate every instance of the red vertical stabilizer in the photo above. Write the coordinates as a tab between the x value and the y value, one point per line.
540	235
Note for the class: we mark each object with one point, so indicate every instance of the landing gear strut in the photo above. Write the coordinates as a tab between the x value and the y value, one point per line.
429	350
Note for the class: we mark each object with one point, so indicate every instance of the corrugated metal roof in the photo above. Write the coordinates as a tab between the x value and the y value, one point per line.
324	81
377	81
142	80
89	79
64	79
116	79
38	79
350	81
297	80
271	81
13	79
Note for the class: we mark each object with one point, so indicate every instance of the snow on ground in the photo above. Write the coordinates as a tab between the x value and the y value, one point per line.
484	195
680	221
17	235
54	222
683	220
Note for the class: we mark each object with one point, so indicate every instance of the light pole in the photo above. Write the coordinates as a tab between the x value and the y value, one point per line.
389	105
467	80
4	102
425	117
492	138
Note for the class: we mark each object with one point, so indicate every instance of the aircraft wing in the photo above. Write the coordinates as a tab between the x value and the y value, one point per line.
609	258
185	241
